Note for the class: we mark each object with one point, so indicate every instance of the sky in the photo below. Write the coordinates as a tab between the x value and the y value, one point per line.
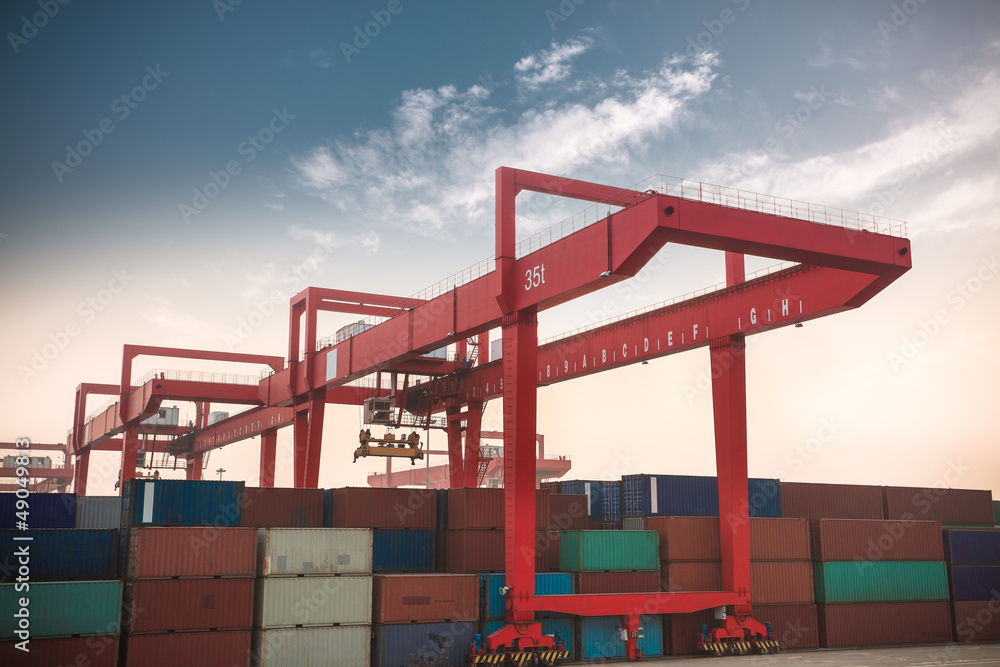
172	172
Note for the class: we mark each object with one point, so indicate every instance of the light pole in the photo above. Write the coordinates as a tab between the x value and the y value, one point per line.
220	471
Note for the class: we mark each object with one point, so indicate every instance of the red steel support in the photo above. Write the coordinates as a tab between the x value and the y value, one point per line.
308	438
473	433
194	466
456	470
268	447
130	446
80	476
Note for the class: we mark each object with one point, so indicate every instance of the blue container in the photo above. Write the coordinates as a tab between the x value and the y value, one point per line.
447	644
45	510
972	547
591	489
178	502
328	508
686	495
491	603
764	497
975	582
611	508
60	555
402	550
562	627
600	638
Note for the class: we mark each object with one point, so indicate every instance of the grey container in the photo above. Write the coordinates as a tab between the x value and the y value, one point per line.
343	646
288	602
283	552
98	512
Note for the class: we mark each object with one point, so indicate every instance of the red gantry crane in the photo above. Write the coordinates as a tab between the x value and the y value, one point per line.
839	260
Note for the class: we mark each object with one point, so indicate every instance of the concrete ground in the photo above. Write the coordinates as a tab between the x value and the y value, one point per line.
930	655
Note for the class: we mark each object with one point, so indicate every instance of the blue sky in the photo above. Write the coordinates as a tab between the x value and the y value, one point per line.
235	154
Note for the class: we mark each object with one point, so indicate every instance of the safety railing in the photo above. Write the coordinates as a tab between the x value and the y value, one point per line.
197	376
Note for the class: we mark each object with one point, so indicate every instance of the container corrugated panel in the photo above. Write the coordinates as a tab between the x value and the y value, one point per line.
163	553
228	648
327	508
690	495
98	512
764	497
180	502
787	582
680	576
996	512
60	555
186	605
311	601
795	626
608	550
568	512
634	523
562	629
801	500
447	644
356	507
697	538
600	637
590	488
779	539
323	551
975	582
618	582
884	623
972	547
976	621
282	508
89	651
343	646
475	550
880	581
473	509
491	602
871	540
403	551
611	508
45	510
425	598
547	551
63	609
956	506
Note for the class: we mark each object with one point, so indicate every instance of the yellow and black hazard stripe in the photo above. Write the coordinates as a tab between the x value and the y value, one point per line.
519	658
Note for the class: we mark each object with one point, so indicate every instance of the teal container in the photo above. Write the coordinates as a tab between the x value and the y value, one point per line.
600	637
63	609
996	512
609	550
493	605
880	581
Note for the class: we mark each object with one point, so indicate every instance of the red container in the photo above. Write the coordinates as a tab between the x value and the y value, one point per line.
847	539
788	582
547	551
795	626
696	538
691	576
425	598
90	651
551	487
474	509
228	648
883	623
960	506
475	551
779	539
830	501
974	621
187	605
202	551
568	512
282	508
356	507
618	582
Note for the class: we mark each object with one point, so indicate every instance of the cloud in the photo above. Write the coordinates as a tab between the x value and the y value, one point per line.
827	59
550	66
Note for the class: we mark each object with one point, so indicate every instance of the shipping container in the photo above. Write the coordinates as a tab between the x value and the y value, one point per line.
425	598
600	637
547	551
164	553
568	512
680	576
492	602
475	550
475	509
977	621
282	508
226	648
608	551
794	626
63	609
696	538
284	602
342	646
322	551
996	512
440	644
782	583
633	523
98	512
60	555
552	486
688	495
883	623
562	630
589	488
972	547
880	581
871	540
802	500
403	550
187	605
357	507
45	510
180	502
611	504
961	506
328	508
618	582
774	539
71	652
975	582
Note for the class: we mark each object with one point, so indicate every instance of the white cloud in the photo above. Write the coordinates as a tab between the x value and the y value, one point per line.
552	65
827	58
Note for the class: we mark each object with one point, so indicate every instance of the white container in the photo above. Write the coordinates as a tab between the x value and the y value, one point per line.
343	646
285	552
99	512
281	602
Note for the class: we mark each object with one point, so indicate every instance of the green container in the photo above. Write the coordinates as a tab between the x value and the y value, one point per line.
609	550
996	512
880	581
63	609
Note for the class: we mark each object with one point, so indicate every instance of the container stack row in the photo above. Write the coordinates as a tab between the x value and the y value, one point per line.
973	557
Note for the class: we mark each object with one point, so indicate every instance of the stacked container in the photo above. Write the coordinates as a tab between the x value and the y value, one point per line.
474	541
46	510
685	495
973	558
802	500
950	507
996	512
99	512
313	597
611	507
282	508
880	582
590	488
